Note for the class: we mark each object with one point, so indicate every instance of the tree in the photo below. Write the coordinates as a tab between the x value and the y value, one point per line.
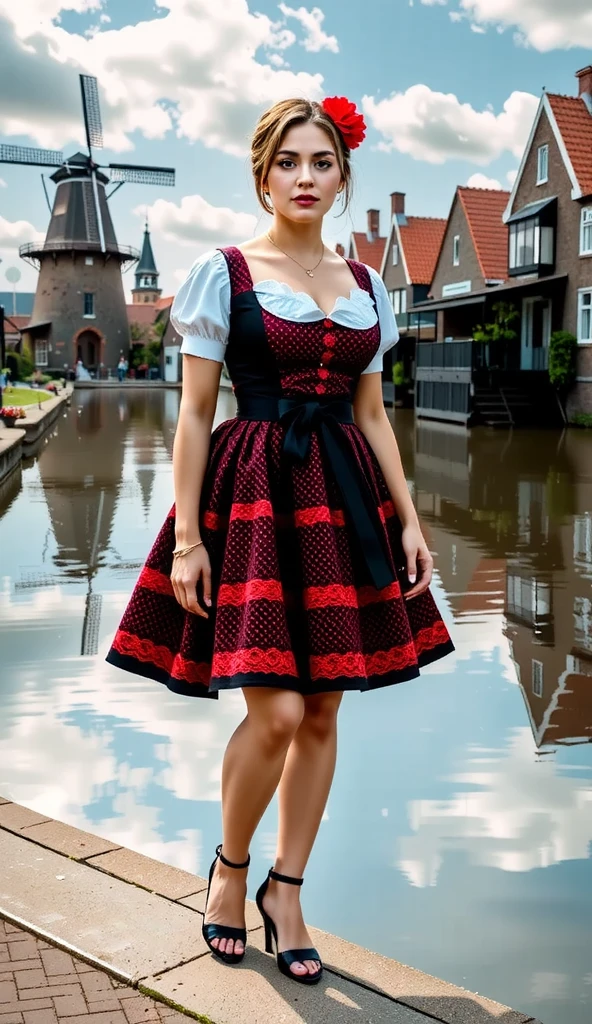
563	348
500	329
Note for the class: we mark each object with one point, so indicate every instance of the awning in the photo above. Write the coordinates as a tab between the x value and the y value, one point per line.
538	284
33	326
531	210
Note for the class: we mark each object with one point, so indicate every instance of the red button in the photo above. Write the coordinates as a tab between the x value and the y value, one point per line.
328	323
323	374
327	357
329	340
320	389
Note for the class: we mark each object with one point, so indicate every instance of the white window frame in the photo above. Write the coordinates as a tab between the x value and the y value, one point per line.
543	164
586	232
456	251
395	255
537	677
41	352
89	316
584	306
89	261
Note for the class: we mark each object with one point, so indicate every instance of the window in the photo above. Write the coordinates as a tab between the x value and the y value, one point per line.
41	353
395	254
537	678
456	250
583	623
398	297
89	261
89	304
531	245
585	316
543	165
586	232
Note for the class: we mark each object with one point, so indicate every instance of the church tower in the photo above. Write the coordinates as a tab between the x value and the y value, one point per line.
147	275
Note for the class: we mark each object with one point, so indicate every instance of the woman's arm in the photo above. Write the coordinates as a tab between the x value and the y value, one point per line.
370	416
201	378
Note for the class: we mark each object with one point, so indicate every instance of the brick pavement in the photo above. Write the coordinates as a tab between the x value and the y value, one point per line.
40	984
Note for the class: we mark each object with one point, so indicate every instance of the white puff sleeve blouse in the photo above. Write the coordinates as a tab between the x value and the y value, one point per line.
201	309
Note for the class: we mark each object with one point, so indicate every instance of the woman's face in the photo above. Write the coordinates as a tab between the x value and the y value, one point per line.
305	165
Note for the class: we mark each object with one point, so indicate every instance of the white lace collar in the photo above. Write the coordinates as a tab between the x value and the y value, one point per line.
356	310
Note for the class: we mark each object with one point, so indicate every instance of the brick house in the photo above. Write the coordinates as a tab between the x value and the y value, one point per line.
368	246
546	228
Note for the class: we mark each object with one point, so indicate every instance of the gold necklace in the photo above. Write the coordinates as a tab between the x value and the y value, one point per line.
309	272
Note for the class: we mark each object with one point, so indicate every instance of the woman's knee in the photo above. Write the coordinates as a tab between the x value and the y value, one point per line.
276	717
320	714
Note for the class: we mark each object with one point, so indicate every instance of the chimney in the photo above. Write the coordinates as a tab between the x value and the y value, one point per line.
585	85
397	203
373	225
340	249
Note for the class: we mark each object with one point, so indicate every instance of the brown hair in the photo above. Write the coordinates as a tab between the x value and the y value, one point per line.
273	126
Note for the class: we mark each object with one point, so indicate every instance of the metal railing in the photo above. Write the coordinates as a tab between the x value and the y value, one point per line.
476	355
127	252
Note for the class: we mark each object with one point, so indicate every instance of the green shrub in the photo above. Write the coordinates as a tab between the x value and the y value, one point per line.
399	378
582	419
562	359
20	365
500	329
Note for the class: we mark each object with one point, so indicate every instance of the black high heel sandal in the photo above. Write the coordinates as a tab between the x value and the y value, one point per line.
222	931
289	956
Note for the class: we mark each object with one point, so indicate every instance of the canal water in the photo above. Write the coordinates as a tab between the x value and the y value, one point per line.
458	834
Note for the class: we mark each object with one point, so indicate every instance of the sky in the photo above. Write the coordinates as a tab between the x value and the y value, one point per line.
448	89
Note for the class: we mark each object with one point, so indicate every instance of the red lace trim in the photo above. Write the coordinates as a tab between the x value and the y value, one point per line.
252	590
254	659
146	651
252	510
318	514
354	664
156	581
351	597
431	636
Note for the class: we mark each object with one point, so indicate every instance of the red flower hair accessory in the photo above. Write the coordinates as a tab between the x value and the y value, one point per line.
351	124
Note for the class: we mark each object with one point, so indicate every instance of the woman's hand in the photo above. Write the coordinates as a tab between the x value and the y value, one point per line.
186	573
418	559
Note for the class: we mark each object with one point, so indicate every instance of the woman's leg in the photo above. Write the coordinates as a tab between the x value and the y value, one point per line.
251	770
303	791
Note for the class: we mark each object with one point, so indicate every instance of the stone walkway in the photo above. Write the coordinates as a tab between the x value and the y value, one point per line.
40	984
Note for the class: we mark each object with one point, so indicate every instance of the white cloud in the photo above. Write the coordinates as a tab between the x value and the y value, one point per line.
436	126
195	221
511	176
482	181
15	233
316	39
198	68
542	24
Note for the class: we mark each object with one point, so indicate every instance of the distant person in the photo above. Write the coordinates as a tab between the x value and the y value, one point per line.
81	371
121	369
294	516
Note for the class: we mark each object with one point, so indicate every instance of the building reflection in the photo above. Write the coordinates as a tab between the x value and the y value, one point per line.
510	518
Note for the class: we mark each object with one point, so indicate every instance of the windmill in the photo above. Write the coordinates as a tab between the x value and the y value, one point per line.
80	310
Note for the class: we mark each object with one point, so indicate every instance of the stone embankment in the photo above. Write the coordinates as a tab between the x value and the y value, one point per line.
137	923
21	441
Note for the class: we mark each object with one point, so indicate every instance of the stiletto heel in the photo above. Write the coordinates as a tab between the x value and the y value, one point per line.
222	931
289	956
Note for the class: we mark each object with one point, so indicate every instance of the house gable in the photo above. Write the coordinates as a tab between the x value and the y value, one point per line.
466	276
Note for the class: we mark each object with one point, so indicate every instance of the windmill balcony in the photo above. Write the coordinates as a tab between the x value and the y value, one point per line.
33	252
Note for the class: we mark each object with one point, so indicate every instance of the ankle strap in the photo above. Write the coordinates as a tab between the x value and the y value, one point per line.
284	878
229	863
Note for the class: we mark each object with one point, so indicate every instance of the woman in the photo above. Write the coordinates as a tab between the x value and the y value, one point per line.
281	566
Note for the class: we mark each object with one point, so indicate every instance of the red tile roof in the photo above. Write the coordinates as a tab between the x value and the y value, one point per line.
165	303
141	312
17	321
370	253
483	209
575	126
421	239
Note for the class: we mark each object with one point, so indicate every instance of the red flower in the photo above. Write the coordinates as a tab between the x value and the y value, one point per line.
351	124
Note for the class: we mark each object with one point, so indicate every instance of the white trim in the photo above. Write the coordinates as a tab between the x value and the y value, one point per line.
576	192
581	292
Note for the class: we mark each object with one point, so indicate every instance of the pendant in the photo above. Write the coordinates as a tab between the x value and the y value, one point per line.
310	273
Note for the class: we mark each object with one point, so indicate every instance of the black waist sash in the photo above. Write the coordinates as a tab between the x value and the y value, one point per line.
301	417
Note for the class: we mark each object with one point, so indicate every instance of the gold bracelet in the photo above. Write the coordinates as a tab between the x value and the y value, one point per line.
185	551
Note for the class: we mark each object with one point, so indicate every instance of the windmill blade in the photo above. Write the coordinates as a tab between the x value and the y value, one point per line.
142	175
92	112
30	155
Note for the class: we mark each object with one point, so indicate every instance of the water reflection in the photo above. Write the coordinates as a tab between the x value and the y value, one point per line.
464	799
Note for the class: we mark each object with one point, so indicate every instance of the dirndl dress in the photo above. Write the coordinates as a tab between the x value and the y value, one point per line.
308	570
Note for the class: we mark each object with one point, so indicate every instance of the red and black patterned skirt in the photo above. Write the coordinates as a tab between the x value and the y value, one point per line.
293	605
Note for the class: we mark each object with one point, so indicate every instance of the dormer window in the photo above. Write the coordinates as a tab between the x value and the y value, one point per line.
586	232
543	165
456	251
532	238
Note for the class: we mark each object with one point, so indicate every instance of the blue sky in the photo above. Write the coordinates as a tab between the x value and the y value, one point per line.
448	90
